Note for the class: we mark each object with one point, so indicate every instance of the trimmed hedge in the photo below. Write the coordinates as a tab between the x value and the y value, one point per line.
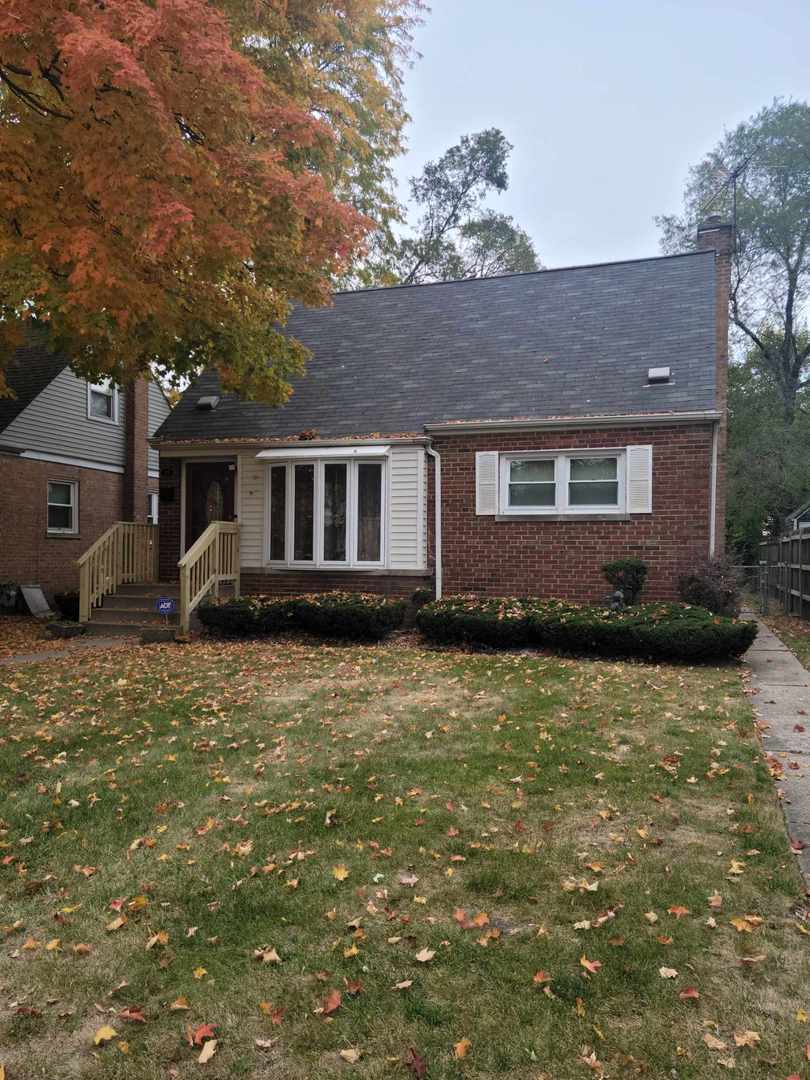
358	616
652	631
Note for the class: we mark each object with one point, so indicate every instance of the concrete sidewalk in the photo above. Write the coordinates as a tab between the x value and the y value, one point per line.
780	694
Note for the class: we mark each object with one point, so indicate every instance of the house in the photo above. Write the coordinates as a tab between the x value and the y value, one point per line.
504	436
74	459
799	518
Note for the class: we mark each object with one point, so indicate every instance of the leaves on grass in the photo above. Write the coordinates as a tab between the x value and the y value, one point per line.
462	1048
340	872
424	956
208	1051
416	1063
104	1034
590	965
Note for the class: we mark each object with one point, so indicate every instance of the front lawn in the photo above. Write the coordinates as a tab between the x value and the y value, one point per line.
290	861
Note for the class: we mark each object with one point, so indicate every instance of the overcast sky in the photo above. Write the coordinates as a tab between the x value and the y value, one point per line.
606	102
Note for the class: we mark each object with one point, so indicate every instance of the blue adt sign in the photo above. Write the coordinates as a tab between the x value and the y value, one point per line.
166	605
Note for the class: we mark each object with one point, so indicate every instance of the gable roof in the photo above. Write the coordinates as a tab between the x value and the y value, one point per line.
31	368
575	342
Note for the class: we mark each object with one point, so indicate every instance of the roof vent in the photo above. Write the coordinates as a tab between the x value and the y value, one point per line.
206	404
658	375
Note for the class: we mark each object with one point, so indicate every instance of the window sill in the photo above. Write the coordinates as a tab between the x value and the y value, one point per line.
372	571
63	535
563	517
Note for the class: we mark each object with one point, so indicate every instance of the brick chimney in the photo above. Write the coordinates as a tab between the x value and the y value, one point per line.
136	428
717	235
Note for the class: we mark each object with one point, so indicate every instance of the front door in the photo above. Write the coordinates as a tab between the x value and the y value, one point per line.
209	496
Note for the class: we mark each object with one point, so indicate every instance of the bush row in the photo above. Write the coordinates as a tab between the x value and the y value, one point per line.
652	631
359	616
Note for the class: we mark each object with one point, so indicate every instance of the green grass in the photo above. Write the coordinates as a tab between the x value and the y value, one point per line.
569	802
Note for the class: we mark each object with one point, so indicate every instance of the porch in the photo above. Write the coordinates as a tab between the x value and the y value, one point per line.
120	591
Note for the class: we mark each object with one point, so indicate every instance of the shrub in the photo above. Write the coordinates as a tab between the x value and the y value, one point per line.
628	575
349	615
653	631
68	604
713	585
358	616
421	596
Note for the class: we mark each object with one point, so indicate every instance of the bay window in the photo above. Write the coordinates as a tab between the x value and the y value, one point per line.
575	482
326	513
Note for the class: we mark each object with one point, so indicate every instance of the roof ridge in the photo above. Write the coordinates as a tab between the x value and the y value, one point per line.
522	273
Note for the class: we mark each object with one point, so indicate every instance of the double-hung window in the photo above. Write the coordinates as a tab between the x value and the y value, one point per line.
63	507
326	513
580	482
102	401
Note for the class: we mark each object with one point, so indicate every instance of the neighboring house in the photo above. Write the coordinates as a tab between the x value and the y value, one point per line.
799	518
566	417
74	459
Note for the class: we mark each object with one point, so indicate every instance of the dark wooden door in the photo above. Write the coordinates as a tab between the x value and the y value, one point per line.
209	496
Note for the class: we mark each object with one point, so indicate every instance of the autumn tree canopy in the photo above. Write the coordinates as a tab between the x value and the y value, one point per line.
175	173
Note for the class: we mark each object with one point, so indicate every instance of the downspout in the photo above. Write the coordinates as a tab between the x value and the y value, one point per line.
713	490
437	496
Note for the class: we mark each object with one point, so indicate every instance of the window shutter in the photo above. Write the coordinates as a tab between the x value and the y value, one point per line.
486	483
639	479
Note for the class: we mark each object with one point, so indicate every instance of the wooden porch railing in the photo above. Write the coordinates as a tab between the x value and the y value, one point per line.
211	559
126	552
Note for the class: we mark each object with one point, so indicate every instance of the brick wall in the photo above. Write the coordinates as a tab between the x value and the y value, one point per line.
563	558
169	518
28	555
294	582
136	433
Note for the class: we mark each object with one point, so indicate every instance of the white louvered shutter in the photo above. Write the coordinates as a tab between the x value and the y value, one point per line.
639	479
486	483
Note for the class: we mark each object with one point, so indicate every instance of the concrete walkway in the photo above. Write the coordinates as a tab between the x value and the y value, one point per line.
77	645
780	694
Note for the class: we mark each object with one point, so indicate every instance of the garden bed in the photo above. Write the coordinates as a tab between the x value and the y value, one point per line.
663	631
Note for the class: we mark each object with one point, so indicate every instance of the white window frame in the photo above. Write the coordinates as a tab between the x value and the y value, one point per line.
74	506
153	502
108	388
318	562
562	472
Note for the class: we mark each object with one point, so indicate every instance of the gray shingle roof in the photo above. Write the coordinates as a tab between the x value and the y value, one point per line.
29	370
575	342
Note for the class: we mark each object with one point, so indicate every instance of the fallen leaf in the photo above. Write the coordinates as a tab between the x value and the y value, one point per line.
133	1013
408	879
668	973
461	1048
590	965
424	955
275	1013
416	1063
199	973
747	1038
179	1003
689	993
104	1034
267	955
331	1002
208	1051
678	910
203	1032
351	1055
340	872
713	1043
406	984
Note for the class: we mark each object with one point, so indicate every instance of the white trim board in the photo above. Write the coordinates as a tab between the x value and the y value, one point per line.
80	463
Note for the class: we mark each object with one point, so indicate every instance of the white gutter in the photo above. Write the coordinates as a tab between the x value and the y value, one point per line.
437	496
713	491
343	450
464	427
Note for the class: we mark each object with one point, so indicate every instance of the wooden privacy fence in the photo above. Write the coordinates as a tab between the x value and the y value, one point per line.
786	571
127	552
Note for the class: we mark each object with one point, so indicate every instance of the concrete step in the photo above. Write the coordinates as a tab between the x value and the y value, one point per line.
134	601
111	629
149	588
138	616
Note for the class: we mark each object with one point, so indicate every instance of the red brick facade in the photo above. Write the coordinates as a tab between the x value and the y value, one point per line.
136	433
295	582
29	555
564	558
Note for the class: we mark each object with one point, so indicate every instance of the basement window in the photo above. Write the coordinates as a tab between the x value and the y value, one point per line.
63	507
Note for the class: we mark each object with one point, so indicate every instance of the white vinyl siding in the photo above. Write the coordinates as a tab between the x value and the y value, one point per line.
406	503
56	422
250	507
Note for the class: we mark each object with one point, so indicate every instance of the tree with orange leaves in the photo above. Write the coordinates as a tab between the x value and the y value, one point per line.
174	174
